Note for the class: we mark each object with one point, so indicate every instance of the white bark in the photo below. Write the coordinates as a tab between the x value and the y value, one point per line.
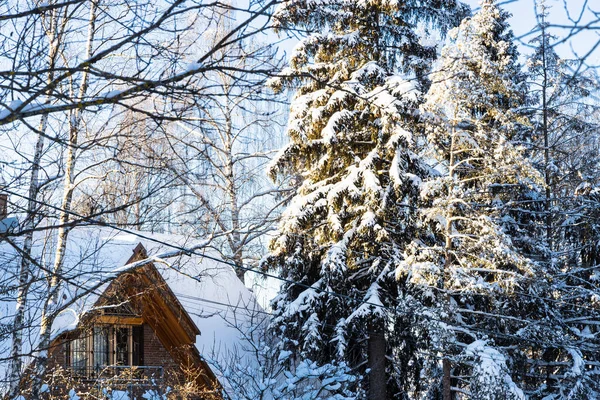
29	224
49	309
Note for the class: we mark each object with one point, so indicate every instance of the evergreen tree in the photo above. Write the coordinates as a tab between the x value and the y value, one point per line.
352	127
485	293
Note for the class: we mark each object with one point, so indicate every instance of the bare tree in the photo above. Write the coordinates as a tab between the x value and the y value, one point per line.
224	146
278	377
51	31
135	54
130	185
226	190
70	69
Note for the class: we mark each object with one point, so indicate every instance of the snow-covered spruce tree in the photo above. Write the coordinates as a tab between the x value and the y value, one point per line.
351	129
478	285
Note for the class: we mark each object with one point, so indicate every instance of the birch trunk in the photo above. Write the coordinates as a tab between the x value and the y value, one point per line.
50	310
237	248
29	223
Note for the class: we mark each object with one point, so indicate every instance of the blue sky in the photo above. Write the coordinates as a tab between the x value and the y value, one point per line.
562	12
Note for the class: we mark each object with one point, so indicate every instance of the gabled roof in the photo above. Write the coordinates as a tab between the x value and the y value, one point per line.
214	299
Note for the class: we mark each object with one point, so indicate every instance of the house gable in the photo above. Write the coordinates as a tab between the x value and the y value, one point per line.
142	297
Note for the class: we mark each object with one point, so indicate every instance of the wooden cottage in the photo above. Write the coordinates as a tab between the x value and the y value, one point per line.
140	327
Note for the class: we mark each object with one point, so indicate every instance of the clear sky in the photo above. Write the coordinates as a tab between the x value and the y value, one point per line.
562	12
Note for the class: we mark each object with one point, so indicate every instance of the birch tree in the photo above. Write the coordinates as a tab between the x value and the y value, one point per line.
74	125
67	95
51	32
120	67
228	143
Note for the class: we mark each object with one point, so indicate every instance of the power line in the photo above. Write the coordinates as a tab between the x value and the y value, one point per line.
189	251
219	260
228	307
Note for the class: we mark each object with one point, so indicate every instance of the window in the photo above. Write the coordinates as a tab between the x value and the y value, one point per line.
92	351
101	350
122	346
79	355
128	345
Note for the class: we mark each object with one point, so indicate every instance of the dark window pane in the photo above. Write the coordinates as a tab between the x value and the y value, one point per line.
137	333
122	346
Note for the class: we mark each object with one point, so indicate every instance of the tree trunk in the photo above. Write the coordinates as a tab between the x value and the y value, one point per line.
446	364
446	380
25	273
50	308
376	364
28	225
547	160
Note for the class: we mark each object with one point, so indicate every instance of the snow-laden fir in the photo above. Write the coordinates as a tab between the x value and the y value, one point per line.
411	237
359	76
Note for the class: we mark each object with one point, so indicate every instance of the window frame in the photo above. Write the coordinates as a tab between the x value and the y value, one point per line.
88	338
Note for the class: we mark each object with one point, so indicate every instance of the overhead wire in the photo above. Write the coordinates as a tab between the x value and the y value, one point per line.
189	251
471	330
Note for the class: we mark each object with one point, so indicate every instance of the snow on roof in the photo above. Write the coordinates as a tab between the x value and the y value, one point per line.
7	224
216	300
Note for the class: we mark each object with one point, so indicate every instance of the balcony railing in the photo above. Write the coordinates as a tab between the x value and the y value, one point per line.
120	376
